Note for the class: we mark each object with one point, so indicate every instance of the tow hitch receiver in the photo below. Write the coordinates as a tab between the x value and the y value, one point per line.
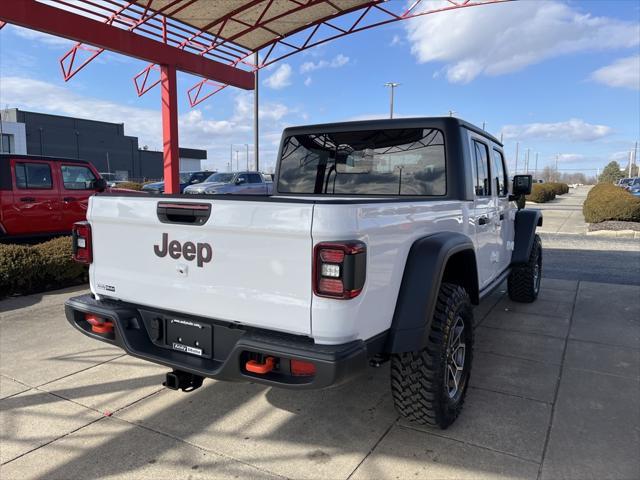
185	381
261	368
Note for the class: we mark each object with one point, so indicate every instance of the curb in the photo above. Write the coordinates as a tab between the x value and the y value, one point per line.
615	233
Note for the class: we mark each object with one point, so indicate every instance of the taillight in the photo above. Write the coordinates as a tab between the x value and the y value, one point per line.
300	368
339	269
81	235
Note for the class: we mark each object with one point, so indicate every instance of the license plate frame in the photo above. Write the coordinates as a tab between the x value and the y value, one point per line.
191	337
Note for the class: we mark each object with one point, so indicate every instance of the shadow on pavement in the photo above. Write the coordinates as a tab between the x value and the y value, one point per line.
603	266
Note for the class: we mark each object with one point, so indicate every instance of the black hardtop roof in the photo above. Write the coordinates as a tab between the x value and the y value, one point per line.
17	156
414	122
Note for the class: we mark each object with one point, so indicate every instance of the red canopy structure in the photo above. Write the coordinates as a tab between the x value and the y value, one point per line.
225	42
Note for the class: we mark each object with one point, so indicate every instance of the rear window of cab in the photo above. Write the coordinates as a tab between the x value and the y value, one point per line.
409	161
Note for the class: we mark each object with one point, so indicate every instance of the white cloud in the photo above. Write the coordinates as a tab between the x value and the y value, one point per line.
396	40
196	130
498	39
338	61
570	157
574	130
624	72
34	35
280	78
307	81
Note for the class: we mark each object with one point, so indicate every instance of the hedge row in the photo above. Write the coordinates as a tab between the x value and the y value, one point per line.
608	202
545	192
130	185
35	268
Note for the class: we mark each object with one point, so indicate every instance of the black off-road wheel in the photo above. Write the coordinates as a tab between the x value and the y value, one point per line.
524	281
429	386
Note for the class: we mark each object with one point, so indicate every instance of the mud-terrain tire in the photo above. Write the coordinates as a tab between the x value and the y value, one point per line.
422	383
524	280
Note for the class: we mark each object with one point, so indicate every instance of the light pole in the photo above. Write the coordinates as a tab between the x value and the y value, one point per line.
247	146
393	86
237	161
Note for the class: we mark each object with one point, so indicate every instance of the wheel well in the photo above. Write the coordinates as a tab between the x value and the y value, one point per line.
462	270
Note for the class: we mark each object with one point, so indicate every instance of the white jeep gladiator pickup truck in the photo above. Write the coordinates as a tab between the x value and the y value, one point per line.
378	239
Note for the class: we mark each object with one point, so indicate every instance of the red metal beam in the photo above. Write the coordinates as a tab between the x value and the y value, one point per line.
55	21
171	152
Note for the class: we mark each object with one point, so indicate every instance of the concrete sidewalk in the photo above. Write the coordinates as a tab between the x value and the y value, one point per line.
564	214
554	394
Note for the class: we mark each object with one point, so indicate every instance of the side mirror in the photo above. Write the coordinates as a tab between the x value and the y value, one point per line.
239	181
99	185
522	184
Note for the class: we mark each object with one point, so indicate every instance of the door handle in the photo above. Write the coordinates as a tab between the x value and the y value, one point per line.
484	221
28	199
69	199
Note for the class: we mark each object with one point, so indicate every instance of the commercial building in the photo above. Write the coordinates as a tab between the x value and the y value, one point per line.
102	143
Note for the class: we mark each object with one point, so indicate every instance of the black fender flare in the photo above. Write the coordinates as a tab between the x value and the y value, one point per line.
525	228
423	274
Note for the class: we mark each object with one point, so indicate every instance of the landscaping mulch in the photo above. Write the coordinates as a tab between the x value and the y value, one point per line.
614	225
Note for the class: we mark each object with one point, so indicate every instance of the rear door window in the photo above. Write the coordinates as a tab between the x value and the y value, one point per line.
77	177
33	176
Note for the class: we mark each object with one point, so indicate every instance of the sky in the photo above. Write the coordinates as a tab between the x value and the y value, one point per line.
559	78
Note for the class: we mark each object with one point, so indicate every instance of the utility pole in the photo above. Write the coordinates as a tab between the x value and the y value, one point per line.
256	124
237	161
535	172
516	169
231	155
630	161
393	86
557	155
483	125
247	145
526	164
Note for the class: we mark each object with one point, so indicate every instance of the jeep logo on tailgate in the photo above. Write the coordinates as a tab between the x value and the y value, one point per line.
201	252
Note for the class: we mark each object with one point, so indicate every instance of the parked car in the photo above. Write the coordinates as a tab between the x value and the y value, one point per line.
186	179
44	196
239	183
624	182
633	186
373	248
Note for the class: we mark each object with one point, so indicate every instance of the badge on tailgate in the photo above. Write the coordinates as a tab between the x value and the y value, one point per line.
200	252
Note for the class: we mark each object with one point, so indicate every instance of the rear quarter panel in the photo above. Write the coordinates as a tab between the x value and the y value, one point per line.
388	230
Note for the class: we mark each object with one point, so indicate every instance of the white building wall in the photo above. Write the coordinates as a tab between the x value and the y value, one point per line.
190	165
18	132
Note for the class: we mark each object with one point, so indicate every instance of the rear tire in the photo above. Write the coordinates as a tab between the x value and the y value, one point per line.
429	386
524	281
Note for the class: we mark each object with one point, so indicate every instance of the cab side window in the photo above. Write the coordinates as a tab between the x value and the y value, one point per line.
33	176
254	178
499	177
76	177
483	184
243	176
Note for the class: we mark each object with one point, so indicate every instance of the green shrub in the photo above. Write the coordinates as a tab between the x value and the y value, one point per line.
608	202
130	185
559	188
541	193
35	268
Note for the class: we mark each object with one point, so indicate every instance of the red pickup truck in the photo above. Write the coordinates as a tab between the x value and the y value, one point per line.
44	196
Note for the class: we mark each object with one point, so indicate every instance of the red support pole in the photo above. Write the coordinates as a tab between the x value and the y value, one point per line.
170	128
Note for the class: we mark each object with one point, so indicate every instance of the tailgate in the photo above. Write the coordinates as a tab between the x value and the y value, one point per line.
250	262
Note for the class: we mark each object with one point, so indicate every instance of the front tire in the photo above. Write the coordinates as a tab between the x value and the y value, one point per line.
429	386
524	280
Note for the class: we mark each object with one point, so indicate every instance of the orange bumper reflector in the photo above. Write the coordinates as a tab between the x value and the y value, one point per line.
261	368
300	368
98	324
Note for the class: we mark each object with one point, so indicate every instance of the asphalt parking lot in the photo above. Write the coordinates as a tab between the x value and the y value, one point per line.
554	394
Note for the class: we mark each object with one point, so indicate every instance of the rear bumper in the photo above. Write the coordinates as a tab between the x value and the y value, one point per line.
232	347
